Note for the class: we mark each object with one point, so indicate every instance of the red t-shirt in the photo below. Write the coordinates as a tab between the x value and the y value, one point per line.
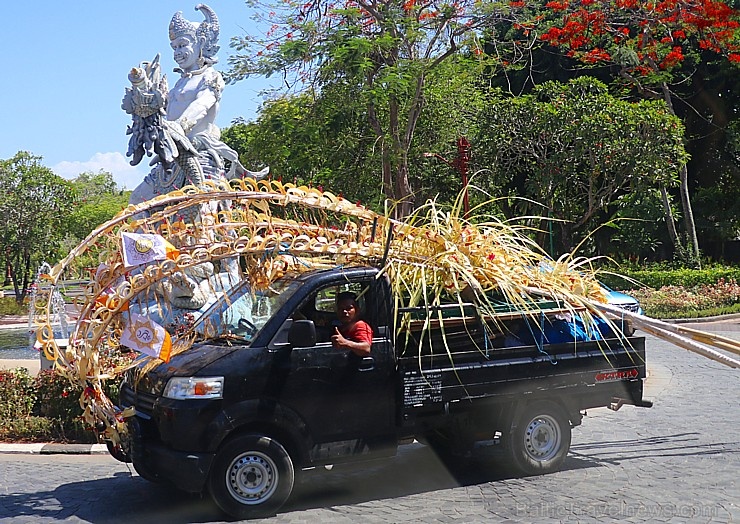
359	332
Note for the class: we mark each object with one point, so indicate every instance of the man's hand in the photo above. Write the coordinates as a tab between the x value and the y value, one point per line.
338	341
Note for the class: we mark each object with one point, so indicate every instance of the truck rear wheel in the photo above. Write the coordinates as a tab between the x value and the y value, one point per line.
251	477
540	440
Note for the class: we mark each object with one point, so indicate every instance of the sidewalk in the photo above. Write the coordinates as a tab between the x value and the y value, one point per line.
40	448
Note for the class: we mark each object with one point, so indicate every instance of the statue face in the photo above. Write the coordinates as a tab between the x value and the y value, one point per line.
186	52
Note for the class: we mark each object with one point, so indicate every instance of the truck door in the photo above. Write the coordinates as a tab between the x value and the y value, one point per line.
345	399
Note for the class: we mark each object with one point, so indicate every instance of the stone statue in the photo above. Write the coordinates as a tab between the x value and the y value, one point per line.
178	126
185	296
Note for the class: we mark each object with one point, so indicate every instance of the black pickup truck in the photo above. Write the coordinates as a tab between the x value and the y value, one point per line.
238	414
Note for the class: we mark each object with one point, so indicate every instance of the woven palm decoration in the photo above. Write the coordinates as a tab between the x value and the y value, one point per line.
259	231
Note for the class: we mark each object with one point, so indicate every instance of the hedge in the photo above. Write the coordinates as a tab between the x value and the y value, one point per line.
656	279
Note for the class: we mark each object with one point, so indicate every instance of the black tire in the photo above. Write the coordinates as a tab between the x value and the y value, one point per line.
147	475
540	439
251	477
440	441
116	451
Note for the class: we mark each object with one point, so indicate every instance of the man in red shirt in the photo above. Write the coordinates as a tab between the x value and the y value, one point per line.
353	334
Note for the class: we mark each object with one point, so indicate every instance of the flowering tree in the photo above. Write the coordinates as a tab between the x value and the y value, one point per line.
652	45
386	47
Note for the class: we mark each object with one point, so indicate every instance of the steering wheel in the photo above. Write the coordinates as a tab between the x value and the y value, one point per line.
249	328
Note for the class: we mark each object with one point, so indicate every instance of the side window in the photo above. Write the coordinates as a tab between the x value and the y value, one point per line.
326	299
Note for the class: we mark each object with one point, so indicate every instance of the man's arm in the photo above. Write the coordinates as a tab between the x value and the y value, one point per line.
361	349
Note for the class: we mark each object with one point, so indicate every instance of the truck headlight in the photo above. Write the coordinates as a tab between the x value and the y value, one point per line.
180	388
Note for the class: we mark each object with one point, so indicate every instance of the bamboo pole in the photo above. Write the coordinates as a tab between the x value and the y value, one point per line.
719	341
672	333
691	345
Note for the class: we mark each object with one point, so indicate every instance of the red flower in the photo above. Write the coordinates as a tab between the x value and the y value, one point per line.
673	58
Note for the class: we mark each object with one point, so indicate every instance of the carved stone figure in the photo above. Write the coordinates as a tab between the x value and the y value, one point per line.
189	294
178	127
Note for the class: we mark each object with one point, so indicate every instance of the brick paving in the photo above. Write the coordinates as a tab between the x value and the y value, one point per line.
676	462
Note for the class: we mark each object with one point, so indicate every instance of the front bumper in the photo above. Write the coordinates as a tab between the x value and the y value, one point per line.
188	471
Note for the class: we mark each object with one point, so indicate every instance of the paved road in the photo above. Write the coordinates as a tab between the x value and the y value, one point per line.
677	462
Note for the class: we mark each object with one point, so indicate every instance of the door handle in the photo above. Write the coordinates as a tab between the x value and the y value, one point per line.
366	364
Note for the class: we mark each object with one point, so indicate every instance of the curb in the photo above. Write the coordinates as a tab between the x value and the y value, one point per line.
40	448
703	320
14	325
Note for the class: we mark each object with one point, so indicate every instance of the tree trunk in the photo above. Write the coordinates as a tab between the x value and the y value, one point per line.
403	190
689	225
565	242
20	282
670	221
401	187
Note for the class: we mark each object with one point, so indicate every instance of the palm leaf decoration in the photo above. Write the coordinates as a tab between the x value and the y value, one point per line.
435	260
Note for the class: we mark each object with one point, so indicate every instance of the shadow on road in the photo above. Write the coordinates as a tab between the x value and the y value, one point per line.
618	451
110	500
415	470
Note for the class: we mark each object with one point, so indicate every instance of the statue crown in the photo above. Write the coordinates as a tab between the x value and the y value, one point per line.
208	29
181	27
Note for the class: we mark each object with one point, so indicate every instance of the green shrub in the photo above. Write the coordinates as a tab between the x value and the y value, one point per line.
44	408
17	394
56	397
58	400
8	306
702	300
28	429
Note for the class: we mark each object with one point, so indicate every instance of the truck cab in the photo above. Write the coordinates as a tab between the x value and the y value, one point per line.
271	371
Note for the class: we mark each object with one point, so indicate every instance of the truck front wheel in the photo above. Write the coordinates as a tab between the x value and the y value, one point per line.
251	477
540	440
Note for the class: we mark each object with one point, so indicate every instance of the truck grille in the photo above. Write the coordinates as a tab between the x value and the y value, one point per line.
143	402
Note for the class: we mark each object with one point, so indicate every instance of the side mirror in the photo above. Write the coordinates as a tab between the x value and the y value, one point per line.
302	334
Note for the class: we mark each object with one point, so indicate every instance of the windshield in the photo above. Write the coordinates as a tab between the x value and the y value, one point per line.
243	312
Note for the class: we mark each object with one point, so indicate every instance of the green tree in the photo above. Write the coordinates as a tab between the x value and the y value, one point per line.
315	141
98	200
384	50
33	205
325	139
575	149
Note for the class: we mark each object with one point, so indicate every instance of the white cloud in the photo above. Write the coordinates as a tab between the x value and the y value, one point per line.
125	175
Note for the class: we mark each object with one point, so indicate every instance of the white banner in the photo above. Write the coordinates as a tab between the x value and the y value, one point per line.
146	336
142	248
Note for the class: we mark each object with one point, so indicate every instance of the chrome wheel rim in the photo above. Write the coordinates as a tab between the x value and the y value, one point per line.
542	438
252	477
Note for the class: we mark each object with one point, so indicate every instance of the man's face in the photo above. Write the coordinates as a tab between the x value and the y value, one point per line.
186	52
347	310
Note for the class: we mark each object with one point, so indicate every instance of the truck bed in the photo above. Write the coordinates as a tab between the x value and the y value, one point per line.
589	374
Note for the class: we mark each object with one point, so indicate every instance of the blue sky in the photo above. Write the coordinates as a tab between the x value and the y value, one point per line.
66	68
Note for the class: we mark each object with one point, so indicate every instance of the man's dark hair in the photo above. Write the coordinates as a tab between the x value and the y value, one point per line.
346	295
